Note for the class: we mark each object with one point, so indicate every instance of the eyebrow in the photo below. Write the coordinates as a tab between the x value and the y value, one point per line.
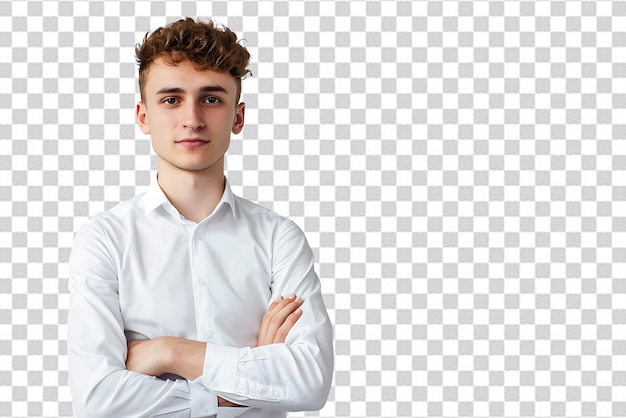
205	89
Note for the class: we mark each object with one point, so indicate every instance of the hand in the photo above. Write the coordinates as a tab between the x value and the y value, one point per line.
148	356
144	357
161	355
156	356
221	402
280	317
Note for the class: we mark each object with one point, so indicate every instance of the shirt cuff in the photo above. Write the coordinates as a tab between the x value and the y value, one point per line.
220	368
203	402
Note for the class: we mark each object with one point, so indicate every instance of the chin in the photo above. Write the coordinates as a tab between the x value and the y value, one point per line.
199	167
191	164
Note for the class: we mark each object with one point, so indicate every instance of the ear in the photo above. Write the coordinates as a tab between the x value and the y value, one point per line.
142	118
240	111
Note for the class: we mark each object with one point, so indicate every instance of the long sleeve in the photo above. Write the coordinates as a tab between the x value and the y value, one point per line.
97	347
293	376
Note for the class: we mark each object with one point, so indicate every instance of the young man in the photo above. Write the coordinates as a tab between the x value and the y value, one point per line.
183	298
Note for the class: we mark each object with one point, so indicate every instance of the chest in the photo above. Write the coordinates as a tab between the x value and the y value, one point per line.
207	285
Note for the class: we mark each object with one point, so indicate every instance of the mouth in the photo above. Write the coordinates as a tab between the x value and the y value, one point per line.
192	142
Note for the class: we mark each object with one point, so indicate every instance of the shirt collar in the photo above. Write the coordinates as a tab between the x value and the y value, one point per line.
228	197
155	198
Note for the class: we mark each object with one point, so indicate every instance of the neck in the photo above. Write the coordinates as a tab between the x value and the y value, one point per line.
195	194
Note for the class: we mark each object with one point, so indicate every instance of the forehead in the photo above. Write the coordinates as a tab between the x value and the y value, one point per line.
186	76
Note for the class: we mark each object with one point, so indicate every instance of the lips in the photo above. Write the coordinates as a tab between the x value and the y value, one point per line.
192	142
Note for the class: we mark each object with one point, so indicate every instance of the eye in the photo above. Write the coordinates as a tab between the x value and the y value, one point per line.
170	100
212	100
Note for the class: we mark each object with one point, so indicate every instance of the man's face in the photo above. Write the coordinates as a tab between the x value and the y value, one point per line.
189	115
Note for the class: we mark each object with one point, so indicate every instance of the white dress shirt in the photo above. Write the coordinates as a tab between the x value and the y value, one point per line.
140	270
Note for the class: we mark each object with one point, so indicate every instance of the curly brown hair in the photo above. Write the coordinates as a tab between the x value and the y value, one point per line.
208	46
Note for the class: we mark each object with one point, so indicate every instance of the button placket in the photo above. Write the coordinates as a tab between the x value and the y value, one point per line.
201	281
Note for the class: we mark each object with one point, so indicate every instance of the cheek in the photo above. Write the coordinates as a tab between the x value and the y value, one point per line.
164	123
222	121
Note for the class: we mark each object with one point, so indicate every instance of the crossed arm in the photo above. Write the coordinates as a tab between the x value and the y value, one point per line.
185	357
104	378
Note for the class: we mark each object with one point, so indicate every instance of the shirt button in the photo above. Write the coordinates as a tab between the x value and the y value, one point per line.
199	237
201	282
266	391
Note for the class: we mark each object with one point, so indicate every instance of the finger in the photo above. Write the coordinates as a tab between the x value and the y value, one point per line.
276	302
275	308
283	331
275	317
282	302
279	317
265	320
289	307
284	309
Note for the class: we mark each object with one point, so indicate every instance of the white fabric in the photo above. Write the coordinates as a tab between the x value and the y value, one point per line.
141	270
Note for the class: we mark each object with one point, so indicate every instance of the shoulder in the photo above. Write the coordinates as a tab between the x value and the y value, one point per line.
100	237
257	212
118	217
281	226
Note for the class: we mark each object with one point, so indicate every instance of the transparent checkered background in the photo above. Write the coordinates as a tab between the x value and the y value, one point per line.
459	168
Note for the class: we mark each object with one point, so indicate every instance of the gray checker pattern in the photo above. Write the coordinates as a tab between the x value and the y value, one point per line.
459	168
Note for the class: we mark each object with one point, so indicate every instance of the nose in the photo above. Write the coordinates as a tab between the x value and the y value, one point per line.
192	117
